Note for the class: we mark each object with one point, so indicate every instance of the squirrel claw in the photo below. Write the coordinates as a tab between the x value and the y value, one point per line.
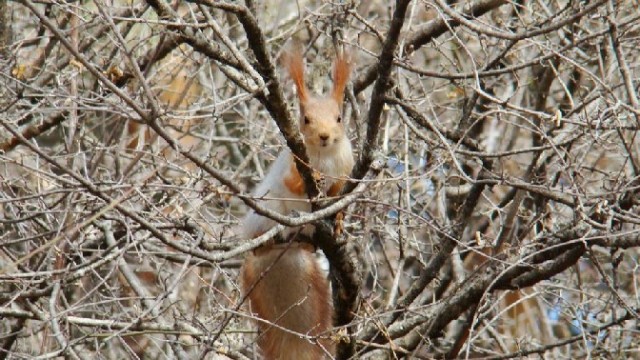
321	181
339	227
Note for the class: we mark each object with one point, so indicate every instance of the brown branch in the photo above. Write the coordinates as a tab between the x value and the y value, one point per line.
496	274
34	131
448	241
544	271
345	276
383	72
540	350
14	332
274	95
461	19
5	32
154	125
425	34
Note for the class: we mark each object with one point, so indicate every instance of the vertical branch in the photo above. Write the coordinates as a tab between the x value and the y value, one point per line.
383	70
274	94
10	340
55	327
5	29
345	292
623	67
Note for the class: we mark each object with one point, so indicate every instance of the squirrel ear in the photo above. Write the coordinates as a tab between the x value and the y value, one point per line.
294	62
341	71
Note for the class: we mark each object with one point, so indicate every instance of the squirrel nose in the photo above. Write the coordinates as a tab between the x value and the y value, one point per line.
324	137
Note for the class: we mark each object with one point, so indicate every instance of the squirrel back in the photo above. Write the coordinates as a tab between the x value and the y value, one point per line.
284	283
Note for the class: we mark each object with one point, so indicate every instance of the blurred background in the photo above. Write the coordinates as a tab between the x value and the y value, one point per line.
505	222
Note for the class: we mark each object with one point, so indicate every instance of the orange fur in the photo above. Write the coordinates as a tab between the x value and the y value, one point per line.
302	310
295	64
139	134
341	71
335	189
294	181
287	286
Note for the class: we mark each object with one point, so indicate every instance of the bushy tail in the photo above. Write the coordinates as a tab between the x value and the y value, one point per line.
287	288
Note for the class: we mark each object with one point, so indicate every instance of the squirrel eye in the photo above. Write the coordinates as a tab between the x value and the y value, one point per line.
306	120
339	118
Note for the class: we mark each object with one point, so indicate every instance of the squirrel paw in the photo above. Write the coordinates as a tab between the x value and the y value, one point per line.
320	180
339	227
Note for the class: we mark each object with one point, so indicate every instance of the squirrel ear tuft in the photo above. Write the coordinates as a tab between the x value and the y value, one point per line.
294	62
341	72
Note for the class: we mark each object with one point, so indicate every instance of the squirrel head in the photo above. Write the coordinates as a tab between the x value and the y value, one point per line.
321	120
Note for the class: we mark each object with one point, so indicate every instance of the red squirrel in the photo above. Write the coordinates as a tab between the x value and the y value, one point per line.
284	283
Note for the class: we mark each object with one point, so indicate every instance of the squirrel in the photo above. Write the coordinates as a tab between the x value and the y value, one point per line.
284	283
